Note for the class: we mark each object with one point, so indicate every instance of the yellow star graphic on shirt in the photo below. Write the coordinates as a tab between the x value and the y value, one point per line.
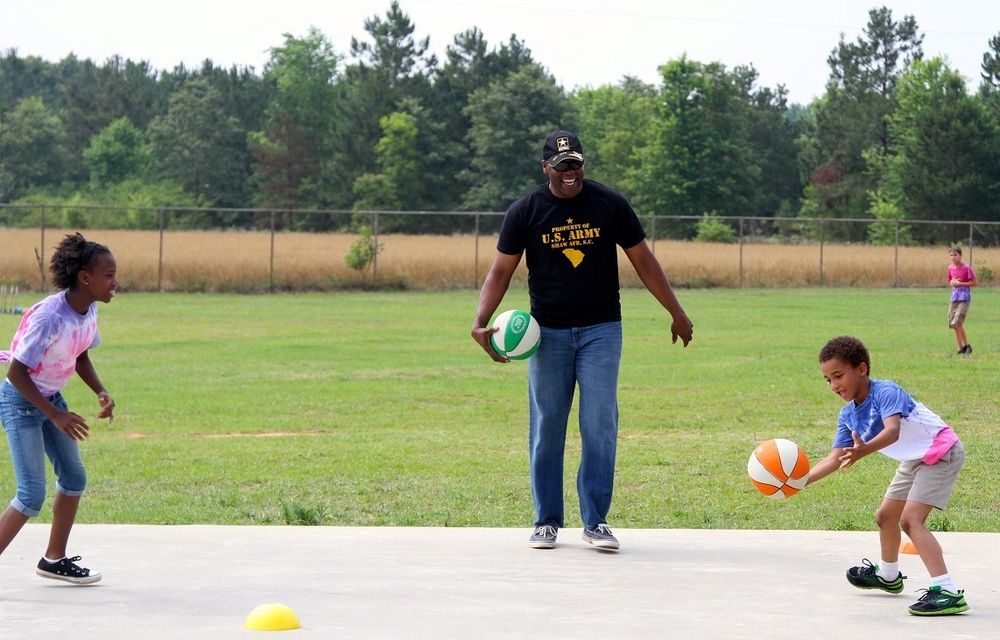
569	220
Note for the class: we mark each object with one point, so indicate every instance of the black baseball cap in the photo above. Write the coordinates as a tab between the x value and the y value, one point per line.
562	145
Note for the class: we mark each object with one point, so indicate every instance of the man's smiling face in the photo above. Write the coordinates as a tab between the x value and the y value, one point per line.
567	183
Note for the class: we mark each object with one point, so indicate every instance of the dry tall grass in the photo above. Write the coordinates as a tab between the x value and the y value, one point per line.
248	261
776	265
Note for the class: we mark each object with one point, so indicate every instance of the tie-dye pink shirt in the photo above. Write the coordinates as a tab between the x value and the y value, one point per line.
50	339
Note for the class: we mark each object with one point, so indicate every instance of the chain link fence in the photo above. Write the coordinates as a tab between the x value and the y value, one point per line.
253	250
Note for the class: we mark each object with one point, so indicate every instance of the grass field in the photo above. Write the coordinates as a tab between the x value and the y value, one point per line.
360	408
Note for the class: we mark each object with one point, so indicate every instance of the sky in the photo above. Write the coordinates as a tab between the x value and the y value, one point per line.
581	43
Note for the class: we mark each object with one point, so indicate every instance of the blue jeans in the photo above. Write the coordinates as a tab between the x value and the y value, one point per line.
32	437
588	357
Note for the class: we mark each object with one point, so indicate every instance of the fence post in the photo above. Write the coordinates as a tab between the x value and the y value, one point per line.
821	230
375	249
270	277
895	264
159	266
741	253
41	256
475	264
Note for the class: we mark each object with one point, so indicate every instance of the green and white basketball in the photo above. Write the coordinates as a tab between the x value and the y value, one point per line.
519	335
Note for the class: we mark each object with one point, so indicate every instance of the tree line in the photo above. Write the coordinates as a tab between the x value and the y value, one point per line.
388	126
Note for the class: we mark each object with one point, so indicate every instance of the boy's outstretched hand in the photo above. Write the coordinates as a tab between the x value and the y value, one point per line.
855	453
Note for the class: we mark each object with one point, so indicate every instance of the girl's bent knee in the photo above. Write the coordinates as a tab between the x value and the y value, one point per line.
76	491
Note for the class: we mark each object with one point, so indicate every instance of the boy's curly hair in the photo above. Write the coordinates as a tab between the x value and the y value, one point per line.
73	255
848	350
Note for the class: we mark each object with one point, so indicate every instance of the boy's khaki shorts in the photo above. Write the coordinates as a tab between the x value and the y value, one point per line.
932	484
957	313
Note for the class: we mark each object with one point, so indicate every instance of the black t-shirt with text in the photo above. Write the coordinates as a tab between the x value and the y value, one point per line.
571	250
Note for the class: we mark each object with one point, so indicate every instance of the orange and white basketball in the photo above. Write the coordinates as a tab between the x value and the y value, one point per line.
779	468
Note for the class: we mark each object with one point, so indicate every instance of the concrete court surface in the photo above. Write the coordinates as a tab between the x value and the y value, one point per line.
201	582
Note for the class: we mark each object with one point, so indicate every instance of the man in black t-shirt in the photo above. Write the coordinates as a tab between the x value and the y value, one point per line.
569	230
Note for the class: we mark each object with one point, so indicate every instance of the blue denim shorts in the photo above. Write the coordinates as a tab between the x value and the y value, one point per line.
32	437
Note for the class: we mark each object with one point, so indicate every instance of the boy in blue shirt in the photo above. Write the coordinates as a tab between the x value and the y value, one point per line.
881	416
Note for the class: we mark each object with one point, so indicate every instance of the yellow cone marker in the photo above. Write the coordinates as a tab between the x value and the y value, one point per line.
907	547
272	617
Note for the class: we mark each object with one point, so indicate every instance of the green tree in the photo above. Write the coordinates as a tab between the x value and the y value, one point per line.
699	158
406	149
388	68
116	153
12	80
772	136
31	149
393	53
615	125
141	96
854	114
199	146
711	229
364	250
295	142
989	88
870	67
510	119
990	73
396	187
470	64
22	78
245	95
399	158
947	160
373	192
95	96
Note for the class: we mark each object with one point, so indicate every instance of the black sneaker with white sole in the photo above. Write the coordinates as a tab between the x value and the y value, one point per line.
543	537
939	602
866	576
67	570
600	536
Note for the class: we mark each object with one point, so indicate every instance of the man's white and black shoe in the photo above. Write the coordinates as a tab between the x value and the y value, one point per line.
67	570
600	536
544	537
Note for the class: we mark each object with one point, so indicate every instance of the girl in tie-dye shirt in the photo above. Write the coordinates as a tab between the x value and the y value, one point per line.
51	344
